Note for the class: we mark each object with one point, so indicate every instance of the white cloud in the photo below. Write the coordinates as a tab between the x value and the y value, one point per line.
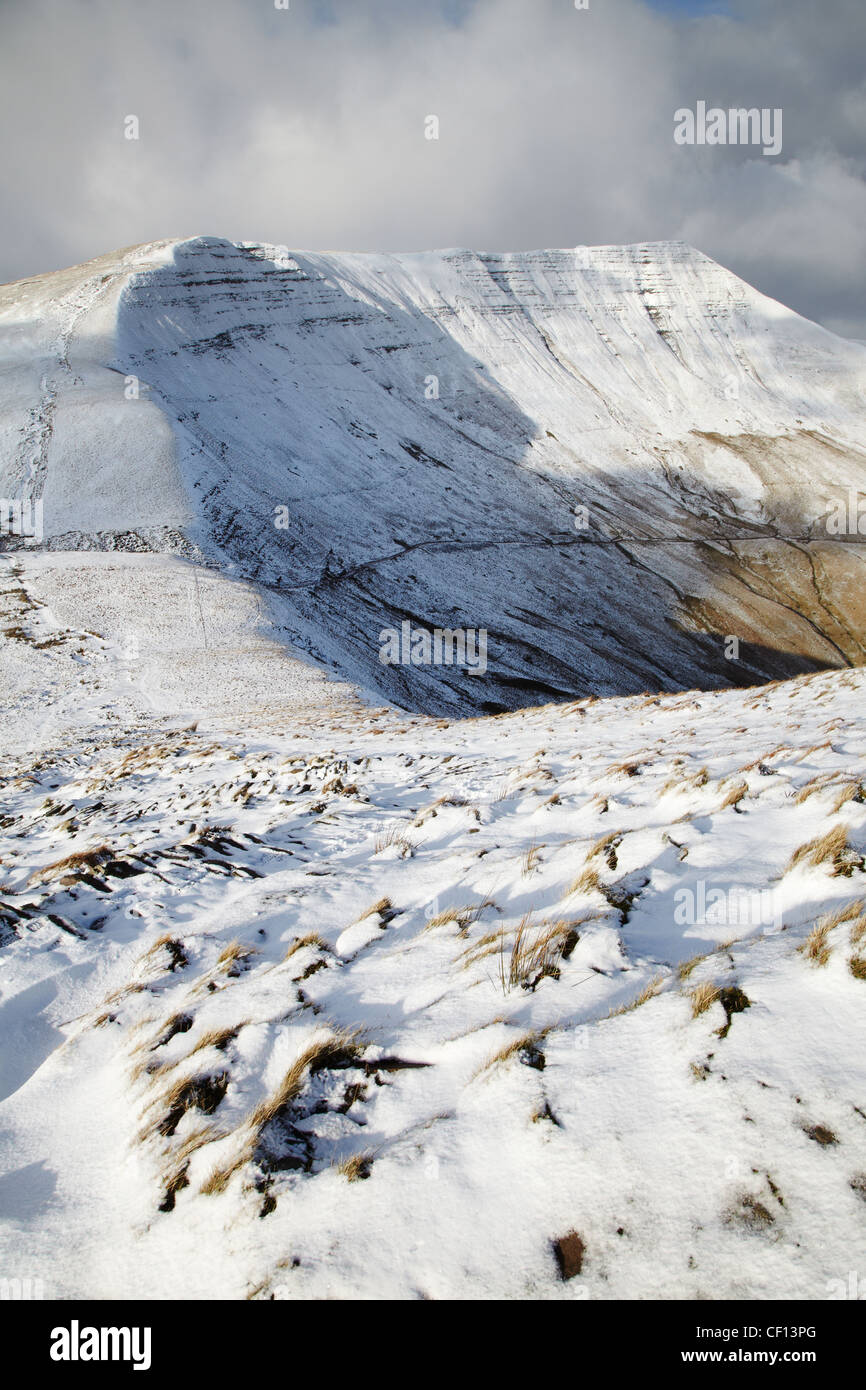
556	129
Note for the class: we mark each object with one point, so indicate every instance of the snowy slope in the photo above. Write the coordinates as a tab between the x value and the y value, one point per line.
278	1033
303	998
430	424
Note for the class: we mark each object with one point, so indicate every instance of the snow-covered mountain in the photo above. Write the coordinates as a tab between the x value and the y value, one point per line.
302	998
607	458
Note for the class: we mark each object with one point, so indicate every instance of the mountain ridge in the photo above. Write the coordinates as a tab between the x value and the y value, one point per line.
626	437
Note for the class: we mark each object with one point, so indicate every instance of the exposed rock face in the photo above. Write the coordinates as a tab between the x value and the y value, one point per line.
609	459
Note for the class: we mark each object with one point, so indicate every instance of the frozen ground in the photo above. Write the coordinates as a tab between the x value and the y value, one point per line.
141	636
305	996
269	1030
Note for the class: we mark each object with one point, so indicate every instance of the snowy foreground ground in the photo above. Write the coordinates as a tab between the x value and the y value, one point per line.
340	1003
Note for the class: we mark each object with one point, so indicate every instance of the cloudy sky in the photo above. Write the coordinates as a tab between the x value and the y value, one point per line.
306	127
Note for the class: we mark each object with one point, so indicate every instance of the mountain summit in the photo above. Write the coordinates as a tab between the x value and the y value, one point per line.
608	460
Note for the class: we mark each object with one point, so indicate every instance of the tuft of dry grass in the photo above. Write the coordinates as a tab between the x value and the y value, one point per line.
831	847
335	1049
816	784
680	783
377	908
430	812
486	946
535	952
463	916
587	881
857	967
197	1139
849	913
703	997
312	938
218	1179
174	948
629	768
529	1044
203	1092
685	968
530	859
734	794
606	845
816	948
393	837
849	791
648	992
83	861
216	1037
357	1167
234	951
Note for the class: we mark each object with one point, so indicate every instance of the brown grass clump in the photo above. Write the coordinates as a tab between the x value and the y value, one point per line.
734	795
816	948
336	1049
315	1057
587	881
629	768
216	1037
393	837
648	992
685	968
486	946
218	1179
234	956
849	913
197	1139
849	791
535	952
816	784
530	858
312	938
198	1092
432	811
356	1168
680	783
607	845
528	1046
463	916
703	997
377	908
857	966
829	848
83	861
174	949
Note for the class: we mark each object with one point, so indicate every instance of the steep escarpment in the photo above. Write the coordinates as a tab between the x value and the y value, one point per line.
609	460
